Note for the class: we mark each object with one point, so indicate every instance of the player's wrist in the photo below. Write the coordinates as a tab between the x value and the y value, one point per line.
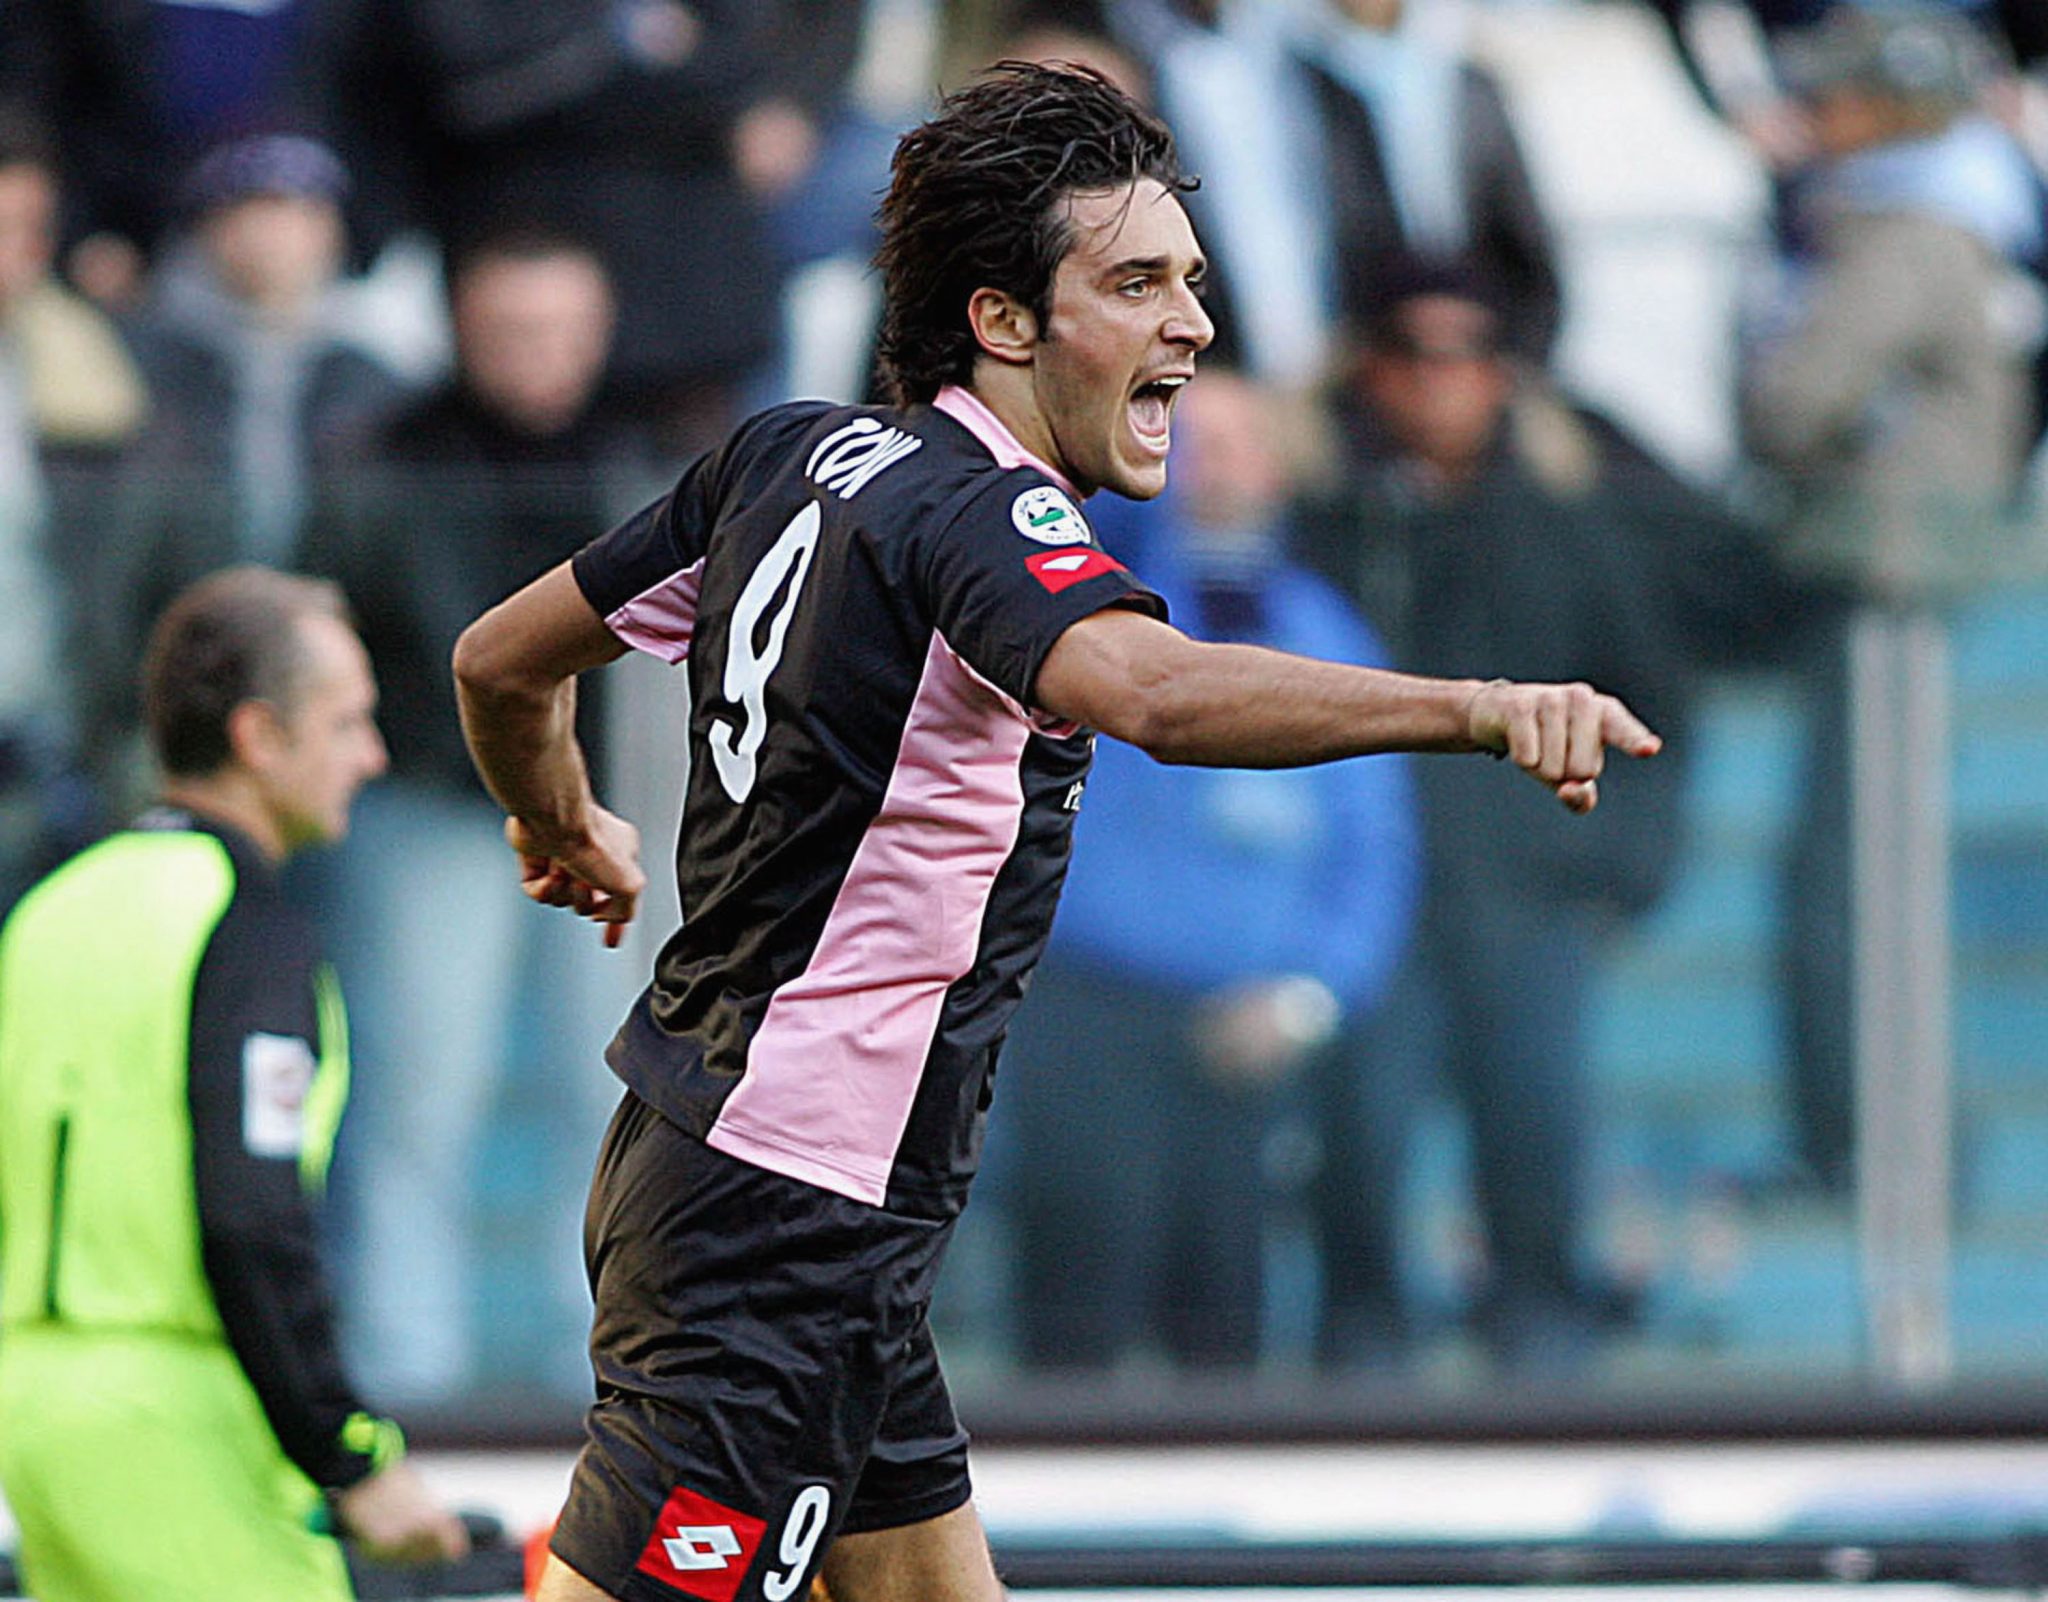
1482	733
552	831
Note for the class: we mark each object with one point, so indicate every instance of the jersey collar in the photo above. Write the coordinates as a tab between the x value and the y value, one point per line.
969	410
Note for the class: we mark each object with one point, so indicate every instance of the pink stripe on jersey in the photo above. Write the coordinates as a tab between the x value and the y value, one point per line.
661	619
835	1066
971	412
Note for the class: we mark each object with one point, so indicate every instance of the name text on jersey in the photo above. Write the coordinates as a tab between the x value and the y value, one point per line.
848	459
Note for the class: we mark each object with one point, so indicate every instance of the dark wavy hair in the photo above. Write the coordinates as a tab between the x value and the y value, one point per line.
976	200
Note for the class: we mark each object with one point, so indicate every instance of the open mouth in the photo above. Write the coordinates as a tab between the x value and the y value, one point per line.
1151	409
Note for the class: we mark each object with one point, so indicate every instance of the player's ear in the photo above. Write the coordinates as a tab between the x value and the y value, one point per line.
1004	326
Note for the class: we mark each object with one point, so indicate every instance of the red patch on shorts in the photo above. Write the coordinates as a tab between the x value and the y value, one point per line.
700	1547
1058	569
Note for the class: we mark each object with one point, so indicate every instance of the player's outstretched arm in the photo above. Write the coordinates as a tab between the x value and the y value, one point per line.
515	682
1180	700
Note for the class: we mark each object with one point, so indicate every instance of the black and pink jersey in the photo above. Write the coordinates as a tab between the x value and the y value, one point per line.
877	821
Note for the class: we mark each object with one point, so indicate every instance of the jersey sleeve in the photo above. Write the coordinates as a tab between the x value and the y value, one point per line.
1013	570
643	576
255	1046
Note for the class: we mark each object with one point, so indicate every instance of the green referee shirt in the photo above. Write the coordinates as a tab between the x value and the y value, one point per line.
173	1065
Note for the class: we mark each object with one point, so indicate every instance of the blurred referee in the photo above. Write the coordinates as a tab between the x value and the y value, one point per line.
173	1063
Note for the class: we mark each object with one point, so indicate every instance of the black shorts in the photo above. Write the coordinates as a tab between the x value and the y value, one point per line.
766	1379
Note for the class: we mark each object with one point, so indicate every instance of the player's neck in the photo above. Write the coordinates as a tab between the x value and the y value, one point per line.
1007	390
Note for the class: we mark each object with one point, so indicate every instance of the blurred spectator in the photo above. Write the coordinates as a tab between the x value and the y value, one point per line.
1424	159
1892	390
1225	929
846	77
1484	528
843	76
258	381
71	400
519	459
77	387
650	128
1725	48
1893	401
139	90
1226	77
1729	47
1329	132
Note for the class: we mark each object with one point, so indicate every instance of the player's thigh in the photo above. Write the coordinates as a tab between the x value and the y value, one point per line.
560	1583
945	1559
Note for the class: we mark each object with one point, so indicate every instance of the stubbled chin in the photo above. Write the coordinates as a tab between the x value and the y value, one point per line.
1142	479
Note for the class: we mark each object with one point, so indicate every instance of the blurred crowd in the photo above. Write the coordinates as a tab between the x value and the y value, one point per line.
423	294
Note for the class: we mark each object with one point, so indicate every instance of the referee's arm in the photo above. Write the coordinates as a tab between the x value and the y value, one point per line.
253	998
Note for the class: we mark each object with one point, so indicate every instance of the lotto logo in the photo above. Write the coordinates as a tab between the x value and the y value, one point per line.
1056	570
700	1547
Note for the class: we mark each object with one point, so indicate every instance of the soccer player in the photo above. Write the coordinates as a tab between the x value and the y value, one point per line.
173	1062
899	632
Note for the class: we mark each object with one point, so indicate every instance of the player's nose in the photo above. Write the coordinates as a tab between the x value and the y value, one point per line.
1188	323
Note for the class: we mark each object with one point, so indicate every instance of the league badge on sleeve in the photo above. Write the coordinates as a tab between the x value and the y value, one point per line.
1043	513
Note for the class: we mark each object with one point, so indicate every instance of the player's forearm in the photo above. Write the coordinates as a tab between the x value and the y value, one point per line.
1245	706
515	685
521	732
1134	677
